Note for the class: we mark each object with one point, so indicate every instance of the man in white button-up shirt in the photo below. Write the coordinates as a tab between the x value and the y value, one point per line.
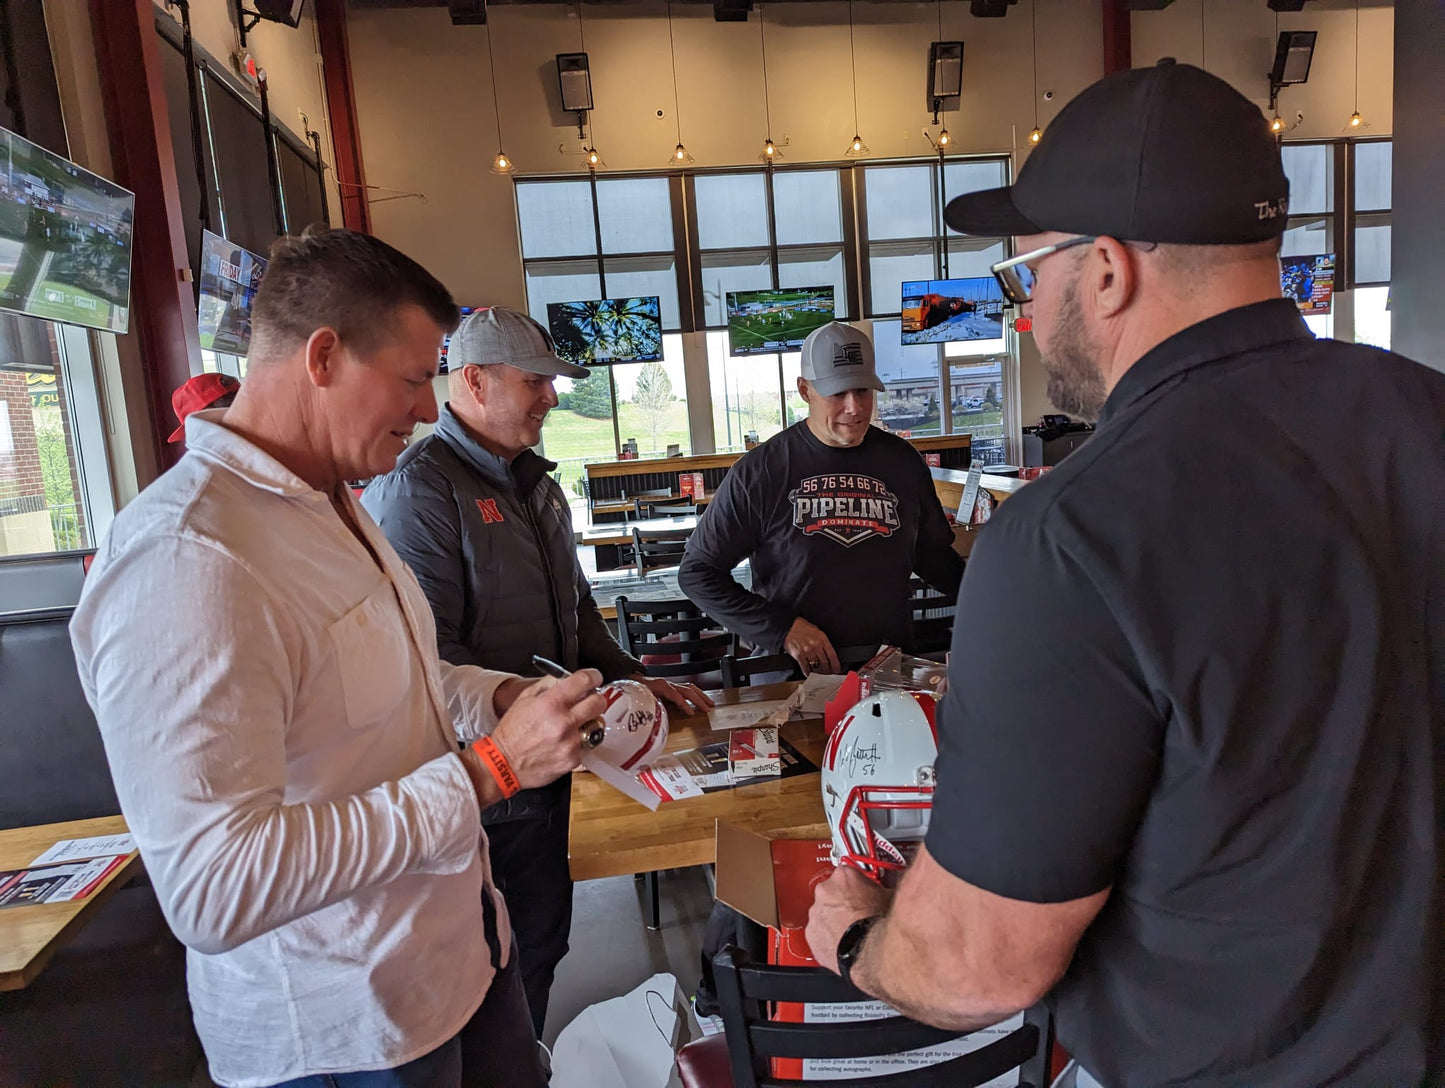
283	738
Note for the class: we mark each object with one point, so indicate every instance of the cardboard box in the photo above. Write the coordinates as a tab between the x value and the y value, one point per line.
769	877
754	751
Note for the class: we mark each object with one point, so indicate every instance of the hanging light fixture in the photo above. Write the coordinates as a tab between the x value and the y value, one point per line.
501	164
590	156
944	140
680	157
770	152
1357	121
857	149
1037	134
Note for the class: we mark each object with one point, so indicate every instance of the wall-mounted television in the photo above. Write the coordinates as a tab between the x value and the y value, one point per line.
765	322
941	311
608	330
65	239
1310	281
447	339
229	278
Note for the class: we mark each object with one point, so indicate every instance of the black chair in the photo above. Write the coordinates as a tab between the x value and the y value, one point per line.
745	989
670	509
657	549
111	1005
738	672
933	614
673	638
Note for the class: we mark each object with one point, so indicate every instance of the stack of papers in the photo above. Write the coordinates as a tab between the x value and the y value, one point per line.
69	870
807	701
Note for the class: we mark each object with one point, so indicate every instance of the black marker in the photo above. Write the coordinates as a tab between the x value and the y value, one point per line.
593	731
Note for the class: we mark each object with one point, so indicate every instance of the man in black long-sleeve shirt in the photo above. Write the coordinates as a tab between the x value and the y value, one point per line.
835	516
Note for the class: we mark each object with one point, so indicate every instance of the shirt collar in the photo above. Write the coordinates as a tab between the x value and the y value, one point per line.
495	468
209	438
1233	332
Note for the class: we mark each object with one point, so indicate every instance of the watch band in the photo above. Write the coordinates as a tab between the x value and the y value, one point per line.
850	945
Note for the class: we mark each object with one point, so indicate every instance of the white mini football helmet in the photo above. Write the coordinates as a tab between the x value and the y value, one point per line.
878	781
635	725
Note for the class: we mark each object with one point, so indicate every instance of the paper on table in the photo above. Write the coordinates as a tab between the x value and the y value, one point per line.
814	692
741	715
98	846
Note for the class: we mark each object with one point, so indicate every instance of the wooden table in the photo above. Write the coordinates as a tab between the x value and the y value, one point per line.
608	540
29	935
612	835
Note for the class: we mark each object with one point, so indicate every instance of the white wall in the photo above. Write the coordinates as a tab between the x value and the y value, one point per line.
1235	40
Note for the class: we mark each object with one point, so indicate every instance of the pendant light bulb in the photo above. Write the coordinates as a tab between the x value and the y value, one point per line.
944	139
770	152
1356	120
1036	135
680	157
1277	124
857	149
502	165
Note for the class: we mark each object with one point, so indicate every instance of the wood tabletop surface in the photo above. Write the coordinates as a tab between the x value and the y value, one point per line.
613	835
29	935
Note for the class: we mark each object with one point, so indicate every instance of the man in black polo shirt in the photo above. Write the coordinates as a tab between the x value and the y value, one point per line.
1193	797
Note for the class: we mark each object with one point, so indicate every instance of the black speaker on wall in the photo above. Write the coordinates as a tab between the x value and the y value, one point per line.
990	9
576	83
467	12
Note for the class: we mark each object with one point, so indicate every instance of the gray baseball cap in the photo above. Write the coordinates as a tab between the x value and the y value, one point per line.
838	357
499	335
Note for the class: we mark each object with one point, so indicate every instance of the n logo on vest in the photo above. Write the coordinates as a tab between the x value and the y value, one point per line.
489	510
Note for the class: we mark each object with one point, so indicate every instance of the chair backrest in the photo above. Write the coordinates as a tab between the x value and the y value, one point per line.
745	988
672	637
933	614
52	761
658	549
669	509
738	672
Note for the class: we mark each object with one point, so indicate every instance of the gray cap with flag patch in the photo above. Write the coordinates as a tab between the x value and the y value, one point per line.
838	357
499	335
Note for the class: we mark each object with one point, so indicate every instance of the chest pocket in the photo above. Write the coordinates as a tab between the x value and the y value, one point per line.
373	658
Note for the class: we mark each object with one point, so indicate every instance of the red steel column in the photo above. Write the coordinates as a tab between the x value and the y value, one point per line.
341	104
163	302
1116	36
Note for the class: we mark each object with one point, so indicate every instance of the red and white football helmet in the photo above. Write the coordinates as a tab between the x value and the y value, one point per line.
878	781
634	724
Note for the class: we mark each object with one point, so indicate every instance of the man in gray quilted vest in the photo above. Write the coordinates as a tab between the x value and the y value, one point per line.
488	533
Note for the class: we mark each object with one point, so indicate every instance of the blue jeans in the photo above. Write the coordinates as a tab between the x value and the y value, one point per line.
495	1049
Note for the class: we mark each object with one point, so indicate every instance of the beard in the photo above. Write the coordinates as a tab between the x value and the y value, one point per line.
1076	385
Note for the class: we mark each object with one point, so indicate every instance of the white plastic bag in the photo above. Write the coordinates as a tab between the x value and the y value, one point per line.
627	1042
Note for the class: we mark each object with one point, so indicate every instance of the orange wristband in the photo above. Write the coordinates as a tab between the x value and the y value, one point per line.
496	763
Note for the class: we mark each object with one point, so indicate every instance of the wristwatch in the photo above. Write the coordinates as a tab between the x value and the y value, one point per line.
850	946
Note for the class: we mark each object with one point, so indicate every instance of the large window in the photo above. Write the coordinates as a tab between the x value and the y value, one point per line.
1340	204
592	238
47	420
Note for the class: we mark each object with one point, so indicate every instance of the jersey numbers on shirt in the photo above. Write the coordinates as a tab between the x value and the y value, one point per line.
847	509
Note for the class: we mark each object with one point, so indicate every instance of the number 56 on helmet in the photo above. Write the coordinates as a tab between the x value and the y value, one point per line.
878	782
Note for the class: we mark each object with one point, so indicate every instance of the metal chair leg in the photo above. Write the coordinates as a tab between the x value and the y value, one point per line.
656	922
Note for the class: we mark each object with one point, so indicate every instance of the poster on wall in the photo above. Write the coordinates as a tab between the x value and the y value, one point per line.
1310	281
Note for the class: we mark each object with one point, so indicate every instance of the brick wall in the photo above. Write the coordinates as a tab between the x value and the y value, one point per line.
20	471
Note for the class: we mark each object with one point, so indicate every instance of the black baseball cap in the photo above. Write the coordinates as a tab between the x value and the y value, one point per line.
1164	154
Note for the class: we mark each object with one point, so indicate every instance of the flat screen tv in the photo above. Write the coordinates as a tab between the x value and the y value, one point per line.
229	278
65	239
608	330
1310	281
940	311
765	322
447	339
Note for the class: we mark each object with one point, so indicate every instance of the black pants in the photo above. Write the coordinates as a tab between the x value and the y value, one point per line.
529	865
726	926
